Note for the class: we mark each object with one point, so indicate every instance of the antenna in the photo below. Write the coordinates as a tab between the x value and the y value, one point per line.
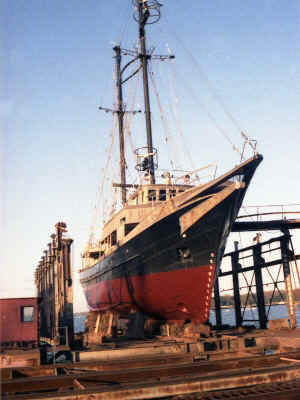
151	7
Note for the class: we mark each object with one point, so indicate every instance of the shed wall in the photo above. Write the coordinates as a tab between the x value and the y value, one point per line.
12	328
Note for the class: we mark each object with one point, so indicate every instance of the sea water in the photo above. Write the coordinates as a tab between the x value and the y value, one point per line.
250	315
228	316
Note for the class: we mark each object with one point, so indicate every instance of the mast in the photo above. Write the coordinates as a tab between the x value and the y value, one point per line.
143	15
147	12
120	113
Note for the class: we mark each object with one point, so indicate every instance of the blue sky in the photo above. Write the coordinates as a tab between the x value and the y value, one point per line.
237	66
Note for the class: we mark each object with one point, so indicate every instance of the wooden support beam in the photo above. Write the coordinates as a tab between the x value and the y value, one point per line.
54	285
290	298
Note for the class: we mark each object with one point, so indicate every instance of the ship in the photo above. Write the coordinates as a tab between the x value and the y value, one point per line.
160	253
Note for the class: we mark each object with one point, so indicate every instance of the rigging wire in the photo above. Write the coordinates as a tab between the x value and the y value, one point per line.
175	112
172	120
209	83
109	208
210	116
212	90
168	136
124	15
102	183
100	188
129	118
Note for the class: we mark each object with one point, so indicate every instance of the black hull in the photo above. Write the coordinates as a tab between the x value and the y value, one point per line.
162	249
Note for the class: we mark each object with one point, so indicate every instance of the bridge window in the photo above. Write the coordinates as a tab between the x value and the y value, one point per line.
162	195
27	314
151	195
113	238
129	227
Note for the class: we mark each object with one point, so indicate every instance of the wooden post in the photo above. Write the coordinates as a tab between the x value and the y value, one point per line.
97	323
285	253
109	324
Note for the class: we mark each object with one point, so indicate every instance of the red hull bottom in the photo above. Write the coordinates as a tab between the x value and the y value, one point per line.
180	295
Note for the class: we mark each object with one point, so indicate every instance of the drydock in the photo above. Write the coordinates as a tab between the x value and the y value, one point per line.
147	361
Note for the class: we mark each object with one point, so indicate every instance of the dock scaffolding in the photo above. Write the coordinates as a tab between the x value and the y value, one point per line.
53	280
247	265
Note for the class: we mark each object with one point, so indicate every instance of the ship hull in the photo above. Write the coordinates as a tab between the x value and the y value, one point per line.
167	275
177	295
168	270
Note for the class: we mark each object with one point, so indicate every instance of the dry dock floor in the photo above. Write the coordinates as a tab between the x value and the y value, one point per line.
254	365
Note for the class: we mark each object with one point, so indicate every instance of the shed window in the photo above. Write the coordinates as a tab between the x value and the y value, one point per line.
162	195
27	314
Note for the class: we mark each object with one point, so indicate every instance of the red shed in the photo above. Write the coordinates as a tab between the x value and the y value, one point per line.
19	320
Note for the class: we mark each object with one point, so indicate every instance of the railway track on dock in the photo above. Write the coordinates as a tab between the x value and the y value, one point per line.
274	391
163	377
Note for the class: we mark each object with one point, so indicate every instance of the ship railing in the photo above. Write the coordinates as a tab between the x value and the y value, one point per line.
270	212
187	177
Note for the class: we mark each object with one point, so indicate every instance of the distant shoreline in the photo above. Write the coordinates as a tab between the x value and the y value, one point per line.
279	303
80	313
